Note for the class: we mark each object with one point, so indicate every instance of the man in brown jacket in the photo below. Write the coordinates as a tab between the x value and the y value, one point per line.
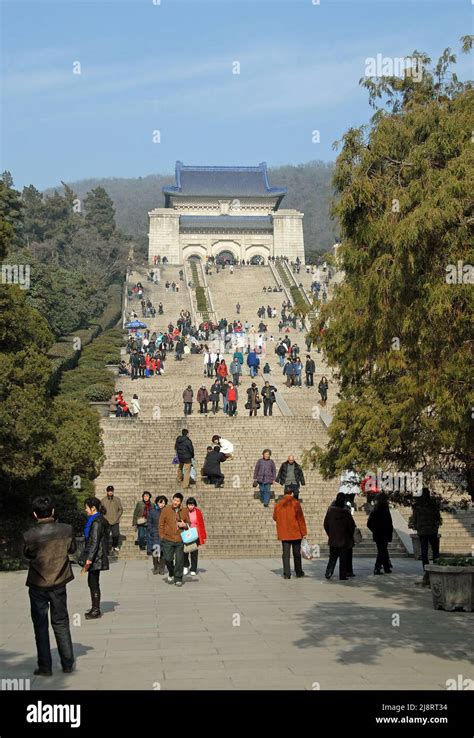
291	529
114	508
173	520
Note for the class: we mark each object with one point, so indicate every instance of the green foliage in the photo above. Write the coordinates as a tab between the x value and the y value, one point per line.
201	297
300	306
44	443
64	355
46	446
400	335
10	214
100	211
11	564
91	380
98	393
456	561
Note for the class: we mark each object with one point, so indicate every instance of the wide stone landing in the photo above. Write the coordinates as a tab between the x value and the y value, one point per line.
239	625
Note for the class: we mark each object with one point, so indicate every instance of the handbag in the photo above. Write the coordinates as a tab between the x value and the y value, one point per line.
141	520
190	535
190	547
357	536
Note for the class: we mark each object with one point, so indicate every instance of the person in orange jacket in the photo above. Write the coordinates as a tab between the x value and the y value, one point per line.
291	529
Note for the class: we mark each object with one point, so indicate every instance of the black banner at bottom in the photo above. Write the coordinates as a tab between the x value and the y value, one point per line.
76	713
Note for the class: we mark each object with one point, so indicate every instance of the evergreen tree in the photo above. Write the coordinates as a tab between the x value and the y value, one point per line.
11	223
399	328
34	214
100	211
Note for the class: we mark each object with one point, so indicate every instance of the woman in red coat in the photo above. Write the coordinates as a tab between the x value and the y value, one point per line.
222	369
197	521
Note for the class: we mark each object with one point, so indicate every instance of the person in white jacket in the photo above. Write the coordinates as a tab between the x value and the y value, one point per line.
225	446
135	406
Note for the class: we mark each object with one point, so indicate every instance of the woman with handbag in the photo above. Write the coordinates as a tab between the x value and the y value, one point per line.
95	557
140	515
253	403
192	549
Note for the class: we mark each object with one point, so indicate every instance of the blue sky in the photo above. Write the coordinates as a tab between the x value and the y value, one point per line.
168	67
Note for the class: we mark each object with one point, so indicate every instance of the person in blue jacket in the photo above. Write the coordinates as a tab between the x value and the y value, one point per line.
253	362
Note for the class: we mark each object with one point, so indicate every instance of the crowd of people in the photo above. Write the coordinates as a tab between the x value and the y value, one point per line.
172	535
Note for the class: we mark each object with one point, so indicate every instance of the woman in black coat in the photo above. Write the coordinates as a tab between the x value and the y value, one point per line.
96	556
380	523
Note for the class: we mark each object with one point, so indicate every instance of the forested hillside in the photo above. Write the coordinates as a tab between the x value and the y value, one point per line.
309	190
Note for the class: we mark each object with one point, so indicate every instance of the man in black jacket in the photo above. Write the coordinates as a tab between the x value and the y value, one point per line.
185	453
339	526
310	368
135	363
268	395
47	546
212	466
291	476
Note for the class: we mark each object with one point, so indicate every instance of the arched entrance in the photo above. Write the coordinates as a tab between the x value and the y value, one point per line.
257	259
194	257
225	257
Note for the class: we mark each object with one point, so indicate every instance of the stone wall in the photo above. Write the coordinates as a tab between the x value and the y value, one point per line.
288	234
163	236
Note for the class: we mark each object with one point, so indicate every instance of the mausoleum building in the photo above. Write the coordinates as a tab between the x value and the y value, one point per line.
229	213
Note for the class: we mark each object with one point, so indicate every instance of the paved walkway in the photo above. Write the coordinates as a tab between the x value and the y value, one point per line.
240	625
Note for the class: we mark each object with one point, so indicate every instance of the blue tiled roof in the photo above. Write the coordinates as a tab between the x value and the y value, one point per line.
228	222
223	182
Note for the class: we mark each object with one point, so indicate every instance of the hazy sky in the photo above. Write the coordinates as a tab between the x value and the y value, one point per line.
169	68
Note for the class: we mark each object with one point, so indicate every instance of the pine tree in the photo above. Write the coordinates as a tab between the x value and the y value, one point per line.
100	211
399	328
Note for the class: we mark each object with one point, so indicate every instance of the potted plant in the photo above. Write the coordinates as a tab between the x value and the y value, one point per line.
452	583
99	396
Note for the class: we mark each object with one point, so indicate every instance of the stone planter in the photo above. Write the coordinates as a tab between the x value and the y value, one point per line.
452	587
114	368
417	546
103	408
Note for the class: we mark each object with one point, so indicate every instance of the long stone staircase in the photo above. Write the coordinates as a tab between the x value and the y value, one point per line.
139	452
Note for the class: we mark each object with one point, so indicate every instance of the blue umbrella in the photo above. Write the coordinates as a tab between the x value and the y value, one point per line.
136	324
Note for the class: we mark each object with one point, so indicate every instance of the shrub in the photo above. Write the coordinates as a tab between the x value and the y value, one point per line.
99	392
456	561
